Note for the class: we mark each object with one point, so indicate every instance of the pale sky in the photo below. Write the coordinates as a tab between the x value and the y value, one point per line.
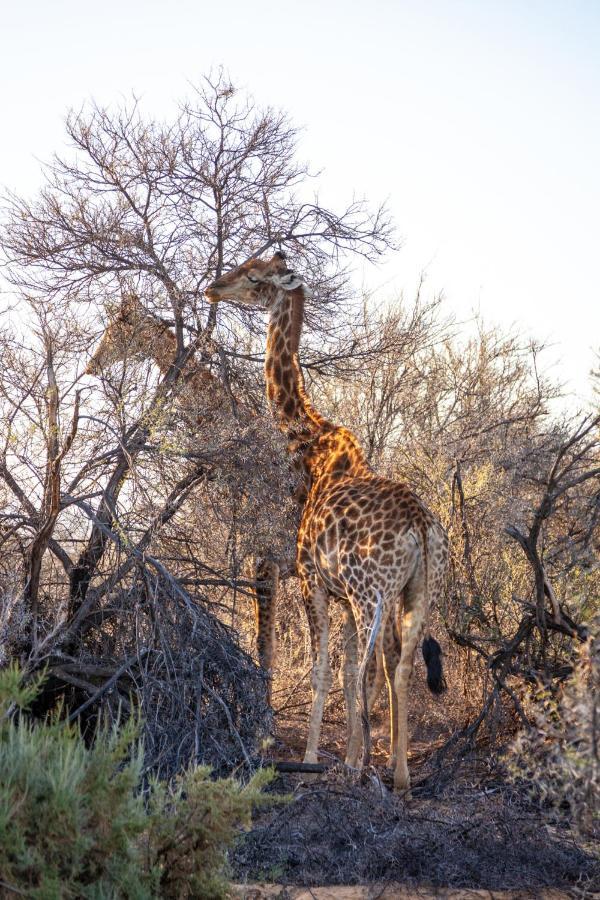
478	121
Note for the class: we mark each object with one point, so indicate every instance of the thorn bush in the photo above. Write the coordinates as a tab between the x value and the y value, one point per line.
558	758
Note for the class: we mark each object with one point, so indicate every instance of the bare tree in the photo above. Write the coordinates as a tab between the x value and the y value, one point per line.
558	470
107	485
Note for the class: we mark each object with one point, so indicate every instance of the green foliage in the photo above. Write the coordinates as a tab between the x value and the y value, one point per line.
14	692
191	824
74	821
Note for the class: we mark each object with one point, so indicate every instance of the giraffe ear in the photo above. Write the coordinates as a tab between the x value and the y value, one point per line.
289	280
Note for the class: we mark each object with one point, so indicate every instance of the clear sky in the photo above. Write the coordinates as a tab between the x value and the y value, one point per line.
479	121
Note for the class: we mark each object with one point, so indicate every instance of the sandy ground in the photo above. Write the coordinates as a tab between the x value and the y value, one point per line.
384	892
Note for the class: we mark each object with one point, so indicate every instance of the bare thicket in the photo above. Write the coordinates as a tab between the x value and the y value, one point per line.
558	757
130	510
126	519
472	424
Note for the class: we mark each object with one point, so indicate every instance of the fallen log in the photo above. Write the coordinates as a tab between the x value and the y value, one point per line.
286	767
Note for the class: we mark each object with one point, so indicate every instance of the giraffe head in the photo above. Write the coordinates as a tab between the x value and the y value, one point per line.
256	282
129	334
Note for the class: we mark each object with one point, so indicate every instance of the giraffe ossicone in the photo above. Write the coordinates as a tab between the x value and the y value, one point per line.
364	540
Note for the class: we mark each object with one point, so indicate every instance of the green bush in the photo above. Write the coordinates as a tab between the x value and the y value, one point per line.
74	821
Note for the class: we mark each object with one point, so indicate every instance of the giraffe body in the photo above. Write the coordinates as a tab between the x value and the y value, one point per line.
365	540
368	540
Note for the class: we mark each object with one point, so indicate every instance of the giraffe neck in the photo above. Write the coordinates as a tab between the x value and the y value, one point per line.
160	344
323	452
335	454
287	397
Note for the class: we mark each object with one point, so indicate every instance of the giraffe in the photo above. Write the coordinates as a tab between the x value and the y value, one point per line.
364	540
135	332
132	332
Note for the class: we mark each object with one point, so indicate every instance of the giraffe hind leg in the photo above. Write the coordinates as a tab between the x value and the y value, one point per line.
349	681
412	619
391	658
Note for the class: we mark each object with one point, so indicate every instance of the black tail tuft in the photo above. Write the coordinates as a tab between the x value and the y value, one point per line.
432	654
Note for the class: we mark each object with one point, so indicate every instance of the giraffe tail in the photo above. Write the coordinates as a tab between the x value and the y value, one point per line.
432	652
362	679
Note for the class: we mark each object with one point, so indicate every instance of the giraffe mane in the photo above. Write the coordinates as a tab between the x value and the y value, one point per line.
297	318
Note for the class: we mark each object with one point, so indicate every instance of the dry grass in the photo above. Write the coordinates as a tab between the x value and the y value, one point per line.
474	836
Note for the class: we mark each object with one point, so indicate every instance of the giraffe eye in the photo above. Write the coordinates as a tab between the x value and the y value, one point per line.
251	279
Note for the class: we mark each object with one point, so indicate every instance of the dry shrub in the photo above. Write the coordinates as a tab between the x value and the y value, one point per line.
559	756
485	836
201	697
15	619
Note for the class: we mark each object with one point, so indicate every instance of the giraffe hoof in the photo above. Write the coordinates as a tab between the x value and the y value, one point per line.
402	786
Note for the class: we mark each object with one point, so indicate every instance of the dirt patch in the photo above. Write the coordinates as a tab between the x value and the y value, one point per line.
383	892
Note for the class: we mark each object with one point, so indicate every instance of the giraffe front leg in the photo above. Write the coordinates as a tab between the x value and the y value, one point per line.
375	677
315	601
266	577
375	680
370	615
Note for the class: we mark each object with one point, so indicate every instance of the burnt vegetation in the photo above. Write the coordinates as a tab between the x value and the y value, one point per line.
130	510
